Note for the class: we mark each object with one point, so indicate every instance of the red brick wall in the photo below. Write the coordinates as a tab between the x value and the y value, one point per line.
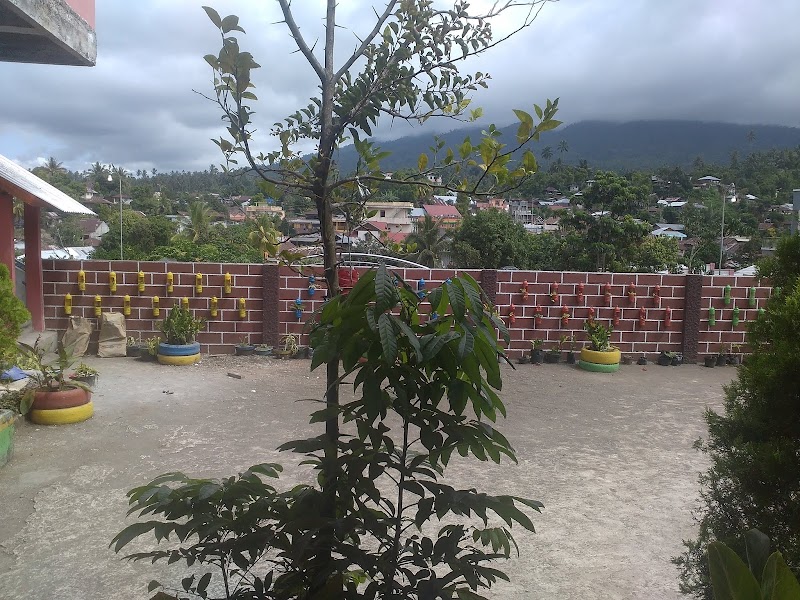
250	282
61	277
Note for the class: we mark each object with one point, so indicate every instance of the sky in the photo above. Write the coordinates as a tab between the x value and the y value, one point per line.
723	60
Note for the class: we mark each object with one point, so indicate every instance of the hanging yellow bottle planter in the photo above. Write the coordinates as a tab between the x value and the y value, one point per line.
68	304
198	283
156	309
82	280
126	305
141	281
214	307
98	306
242	309
227	283
170	282
185	302
112	282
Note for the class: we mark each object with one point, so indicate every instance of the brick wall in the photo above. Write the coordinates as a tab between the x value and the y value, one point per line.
270	292
61	277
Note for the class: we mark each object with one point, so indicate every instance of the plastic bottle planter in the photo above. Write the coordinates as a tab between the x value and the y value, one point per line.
615	319
170	282
126	305
298	308
227	283
735	317
98	305
642	317
312	285
712	316
185	302
156	308
524	290
591	316
631	294
667	317
579	293
761	312
565	317
82	280
657	295
140	280
421	289
553	293
607	294
112	282
537	316
512	317
751	298
214	307
68	304
726	295
198	283
242	308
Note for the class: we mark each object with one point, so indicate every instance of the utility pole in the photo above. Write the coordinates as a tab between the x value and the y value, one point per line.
722	231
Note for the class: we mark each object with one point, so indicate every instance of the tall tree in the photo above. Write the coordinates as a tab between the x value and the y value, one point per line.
199	221
53	167
430	241
264	237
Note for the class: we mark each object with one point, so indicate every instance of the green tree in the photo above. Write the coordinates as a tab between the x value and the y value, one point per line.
13	316
265	238
199	222
754	446
489	240
53	167
430	241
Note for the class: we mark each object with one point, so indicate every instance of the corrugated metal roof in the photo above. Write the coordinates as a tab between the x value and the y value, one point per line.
26	186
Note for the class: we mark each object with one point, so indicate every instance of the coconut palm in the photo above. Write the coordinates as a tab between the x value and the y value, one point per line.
53	167
563	146
264	237
547	153
199	221
431	241
18	211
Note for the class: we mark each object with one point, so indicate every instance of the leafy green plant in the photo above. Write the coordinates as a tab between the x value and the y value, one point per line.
289	343
599	335
49	373
764	577
424	390
152	345
13	315
180	327
84	370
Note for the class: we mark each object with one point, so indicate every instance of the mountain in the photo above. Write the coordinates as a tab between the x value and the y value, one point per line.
608	145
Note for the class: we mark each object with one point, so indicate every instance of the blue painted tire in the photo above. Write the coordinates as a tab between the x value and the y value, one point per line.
178	349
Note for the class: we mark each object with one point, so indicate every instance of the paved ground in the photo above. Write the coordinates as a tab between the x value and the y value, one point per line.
609	455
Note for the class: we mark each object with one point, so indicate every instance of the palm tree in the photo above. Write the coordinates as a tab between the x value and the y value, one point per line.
53	167
199	221
264	237
563	146
18	211
431	241
547	153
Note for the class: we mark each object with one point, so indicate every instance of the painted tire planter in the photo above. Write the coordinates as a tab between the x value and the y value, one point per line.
60	399
63	416
598	368
178	354
599	362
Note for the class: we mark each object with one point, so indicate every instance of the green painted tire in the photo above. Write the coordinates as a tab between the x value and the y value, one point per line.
600	358
597	368
179	360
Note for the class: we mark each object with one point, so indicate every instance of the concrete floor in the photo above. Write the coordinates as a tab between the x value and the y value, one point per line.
610	456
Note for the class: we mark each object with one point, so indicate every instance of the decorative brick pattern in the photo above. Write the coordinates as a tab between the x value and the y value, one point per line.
639	301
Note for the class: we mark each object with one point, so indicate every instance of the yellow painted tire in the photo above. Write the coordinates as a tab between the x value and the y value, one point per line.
179	360
600	358
63	416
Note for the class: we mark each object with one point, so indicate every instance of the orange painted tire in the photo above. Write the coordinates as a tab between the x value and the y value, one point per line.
67	398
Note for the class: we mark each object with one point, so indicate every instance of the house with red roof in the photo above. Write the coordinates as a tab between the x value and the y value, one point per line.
446	214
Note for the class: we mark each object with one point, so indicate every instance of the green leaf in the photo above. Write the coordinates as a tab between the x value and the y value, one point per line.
524	117
385	291
456	294
213	15
757	548
131	532
422	162
778	581
230	23
730	577
388	338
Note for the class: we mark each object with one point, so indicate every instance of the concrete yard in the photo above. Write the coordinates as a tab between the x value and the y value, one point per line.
610	456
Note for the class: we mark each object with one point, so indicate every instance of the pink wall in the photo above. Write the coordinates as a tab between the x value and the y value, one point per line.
84	8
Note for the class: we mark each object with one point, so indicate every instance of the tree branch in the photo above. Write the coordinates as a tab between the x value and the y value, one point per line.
298	39
366	42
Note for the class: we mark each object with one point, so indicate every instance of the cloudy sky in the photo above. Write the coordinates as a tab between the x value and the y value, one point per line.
726	60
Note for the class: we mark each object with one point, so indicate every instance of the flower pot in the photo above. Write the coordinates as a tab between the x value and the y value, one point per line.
524	359
642	360
146	356
676	361
720	360
61	407
552	357
133	351
262	350
570	358
537	357
664	360
244	350
89	380
283	354
710	361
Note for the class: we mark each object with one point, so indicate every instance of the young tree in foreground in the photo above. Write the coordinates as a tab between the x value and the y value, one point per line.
405	67
754	447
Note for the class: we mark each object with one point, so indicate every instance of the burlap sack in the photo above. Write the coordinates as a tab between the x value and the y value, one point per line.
76	337
112	335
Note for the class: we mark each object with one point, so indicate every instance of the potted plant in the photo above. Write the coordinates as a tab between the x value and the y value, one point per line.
710	361
642	360
288	347
180	345
536	352
665	359
132	347
149	349
734	356
53	399
600	356
85	374
553	355
263	350
570	339
244	347
722	358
